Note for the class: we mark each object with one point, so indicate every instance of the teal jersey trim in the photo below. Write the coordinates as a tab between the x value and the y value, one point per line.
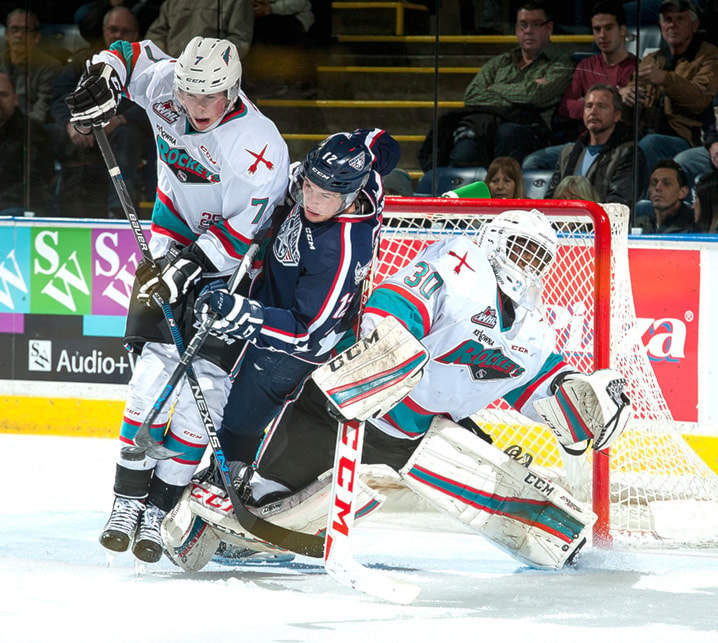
553	360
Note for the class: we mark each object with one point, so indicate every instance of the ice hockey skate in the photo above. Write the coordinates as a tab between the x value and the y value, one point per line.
148	540
122	524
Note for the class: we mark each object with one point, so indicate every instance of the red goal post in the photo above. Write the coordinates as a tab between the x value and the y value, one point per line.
588	302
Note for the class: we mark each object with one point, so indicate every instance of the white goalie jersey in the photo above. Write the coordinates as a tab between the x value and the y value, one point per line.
218	187
482	347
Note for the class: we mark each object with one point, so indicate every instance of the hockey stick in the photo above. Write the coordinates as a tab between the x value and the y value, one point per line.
339	561
143	438
338	558
125	198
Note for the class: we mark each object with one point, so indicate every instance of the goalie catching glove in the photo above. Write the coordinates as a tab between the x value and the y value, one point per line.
236	315
94	101
586	407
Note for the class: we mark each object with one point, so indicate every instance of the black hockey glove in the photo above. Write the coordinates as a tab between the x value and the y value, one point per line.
180	271
237	315
147	270
94	101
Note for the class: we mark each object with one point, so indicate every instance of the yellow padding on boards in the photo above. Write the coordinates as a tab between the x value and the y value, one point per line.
651	454
61	416
706	447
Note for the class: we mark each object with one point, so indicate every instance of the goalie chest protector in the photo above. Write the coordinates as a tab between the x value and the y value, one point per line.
480	350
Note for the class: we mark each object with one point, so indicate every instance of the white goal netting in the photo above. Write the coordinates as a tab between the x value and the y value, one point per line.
653	487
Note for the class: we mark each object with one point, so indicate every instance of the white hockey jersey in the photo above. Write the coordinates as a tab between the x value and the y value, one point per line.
217	188
479	349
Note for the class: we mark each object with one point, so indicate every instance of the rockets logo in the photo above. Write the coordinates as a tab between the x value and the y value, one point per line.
483	363
184	167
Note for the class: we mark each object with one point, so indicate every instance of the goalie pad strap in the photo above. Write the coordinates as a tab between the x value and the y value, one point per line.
373	375
515	507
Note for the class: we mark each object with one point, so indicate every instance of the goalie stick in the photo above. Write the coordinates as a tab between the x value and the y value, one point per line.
338	559
364	381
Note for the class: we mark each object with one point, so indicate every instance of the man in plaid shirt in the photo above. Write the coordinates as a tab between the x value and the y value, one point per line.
510	102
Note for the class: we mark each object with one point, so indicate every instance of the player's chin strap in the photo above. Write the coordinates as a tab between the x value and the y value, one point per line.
364	381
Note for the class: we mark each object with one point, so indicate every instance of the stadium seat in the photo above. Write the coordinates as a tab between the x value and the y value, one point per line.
650	40
449	178
536	183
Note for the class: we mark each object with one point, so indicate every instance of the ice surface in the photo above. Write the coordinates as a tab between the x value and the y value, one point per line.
55	584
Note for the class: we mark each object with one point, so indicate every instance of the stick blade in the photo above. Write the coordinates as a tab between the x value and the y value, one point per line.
372	582
151	447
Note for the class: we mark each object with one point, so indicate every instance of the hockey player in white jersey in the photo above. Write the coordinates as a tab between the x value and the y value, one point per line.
475	308
222	168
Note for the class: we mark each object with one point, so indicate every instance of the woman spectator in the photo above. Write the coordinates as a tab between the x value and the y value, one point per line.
505	179
576	188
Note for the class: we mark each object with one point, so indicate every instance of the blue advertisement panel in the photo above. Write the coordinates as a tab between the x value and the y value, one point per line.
64	292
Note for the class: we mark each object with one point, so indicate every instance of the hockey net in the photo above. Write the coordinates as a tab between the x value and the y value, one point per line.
652	487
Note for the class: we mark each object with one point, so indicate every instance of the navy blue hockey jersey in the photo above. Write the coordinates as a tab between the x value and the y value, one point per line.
311	280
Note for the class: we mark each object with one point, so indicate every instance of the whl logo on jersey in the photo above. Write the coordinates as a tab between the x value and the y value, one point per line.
184	167
483	363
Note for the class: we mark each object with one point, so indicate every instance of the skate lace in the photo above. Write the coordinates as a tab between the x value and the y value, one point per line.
125	515
150	525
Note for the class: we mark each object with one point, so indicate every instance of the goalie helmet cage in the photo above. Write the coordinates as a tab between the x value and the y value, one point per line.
652	488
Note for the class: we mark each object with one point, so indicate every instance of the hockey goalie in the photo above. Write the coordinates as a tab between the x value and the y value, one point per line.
474	311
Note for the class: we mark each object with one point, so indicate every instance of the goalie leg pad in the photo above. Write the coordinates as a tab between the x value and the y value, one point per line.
373	375
187	539
306	510
516	508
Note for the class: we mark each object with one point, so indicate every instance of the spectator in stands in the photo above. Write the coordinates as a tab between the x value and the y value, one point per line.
666	190
89	16
31	70
181	20
491	11
705	205
700	160
398	183
509	103
604	154
87	190
282	22
676	85
505	179
15	143
614	65
575	187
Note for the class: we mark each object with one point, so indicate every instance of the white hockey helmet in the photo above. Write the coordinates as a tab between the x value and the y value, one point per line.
209	66
521	246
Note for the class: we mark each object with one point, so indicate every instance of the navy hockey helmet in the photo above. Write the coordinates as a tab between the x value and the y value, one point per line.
337	164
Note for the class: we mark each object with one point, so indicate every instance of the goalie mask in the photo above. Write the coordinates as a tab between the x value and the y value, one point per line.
521	246
337	165
207	67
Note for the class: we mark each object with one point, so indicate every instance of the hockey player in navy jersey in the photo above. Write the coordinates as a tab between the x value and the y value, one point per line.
307	295
222	169
475	308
